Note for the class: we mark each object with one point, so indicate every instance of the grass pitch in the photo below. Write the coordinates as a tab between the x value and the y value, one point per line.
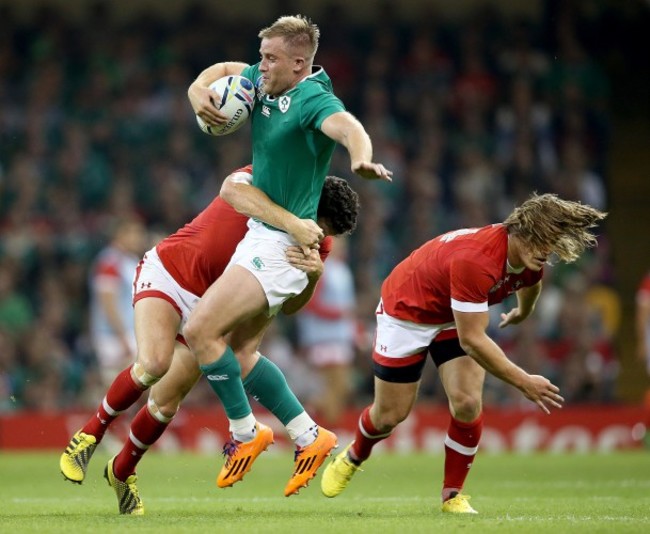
608	493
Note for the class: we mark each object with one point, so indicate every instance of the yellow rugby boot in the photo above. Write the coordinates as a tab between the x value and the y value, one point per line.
338	473
458	504
128	498
74	460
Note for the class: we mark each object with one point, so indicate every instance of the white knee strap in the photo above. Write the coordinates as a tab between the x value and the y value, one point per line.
155	411
143	377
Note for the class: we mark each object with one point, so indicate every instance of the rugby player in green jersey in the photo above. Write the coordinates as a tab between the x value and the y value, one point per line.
296	123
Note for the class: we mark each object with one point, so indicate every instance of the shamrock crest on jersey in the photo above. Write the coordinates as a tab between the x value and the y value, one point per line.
284	102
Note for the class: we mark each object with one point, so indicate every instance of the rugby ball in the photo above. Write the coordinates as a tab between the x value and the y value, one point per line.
237	100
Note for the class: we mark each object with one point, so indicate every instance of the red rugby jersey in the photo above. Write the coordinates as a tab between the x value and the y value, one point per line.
197	254
465	270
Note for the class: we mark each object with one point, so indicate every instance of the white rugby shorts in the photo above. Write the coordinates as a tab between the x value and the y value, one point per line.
263	253
153	280
396	339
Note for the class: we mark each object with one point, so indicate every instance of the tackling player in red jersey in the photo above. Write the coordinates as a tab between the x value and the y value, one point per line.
436	302
169	282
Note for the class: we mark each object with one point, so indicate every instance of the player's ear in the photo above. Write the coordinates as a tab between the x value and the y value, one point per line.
298	63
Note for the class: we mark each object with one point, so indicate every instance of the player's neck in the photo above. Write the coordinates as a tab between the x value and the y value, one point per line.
513	259
300	77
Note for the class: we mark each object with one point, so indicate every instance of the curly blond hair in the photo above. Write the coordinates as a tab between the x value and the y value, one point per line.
297	31
547	222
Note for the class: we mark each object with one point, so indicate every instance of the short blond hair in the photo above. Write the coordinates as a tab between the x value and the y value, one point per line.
297	31
548	222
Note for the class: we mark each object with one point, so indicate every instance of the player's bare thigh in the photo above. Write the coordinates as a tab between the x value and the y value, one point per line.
235	297
462	379
156	325
392	403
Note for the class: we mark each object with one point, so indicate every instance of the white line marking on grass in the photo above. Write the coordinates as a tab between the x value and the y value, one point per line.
604	498
573	518
627	483
40	500
251	500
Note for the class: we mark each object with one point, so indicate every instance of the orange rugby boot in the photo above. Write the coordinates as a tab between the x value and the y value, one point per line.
241	455
308	459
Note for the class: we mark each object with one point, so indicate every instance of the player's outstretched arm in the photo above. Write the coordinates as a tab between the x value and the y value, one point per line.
526	300
203	99
253	202
477	344
345	129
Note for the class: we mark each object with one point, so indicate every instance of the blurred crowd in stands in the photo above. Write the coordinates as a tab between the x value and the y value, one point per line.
472	115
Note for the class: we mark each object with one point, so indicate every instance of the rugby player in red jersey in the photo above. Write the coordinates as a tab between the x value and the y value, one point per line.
436	301
169	281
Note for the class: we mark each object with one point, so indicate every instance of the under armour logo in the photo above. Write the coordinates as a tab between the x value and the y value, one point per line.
145	284
383	348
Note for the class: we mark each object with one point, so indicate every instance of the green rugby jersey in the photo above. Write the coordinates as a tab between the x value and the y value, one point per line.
291	156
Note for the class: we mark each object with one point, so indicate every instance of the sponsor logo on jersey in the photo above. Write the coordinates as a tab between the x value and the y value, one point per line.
257	263
450	236
266	111
515	287
217	378
496	286
284	103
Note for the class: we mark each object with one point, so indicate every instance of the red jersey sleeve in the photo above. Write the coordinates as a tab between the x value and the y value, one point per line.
325	248
470	284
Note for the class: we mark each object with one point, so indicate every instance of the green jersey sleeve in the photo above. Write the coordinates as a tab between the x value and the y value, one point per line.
318	107
251	72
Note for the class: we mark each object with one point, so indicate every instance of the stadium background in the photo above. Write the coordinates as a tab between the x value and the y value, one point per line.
472	104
